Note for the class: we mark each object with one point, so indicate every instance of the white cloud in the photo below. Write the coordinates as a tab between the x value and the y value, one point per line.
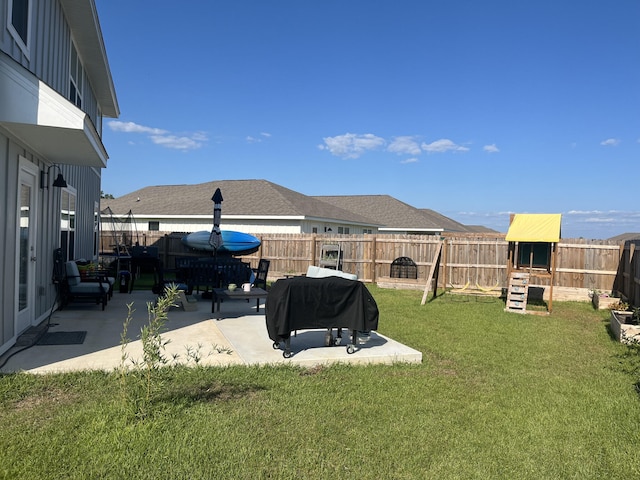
491	148
610	142
161	137
351	145
200	136
251	139
410	160
443	145
175	142
404	145
130	127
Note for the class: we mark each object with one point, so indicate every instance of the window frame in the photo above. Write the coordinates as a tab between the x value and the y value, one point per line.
68	224
76	79
23	44
541	254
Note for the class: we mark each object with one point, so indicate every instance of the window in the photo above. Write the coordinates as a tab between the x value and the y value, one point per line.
19	23
367	230
154	226
76	74
68	224
344	230
538	253
96	229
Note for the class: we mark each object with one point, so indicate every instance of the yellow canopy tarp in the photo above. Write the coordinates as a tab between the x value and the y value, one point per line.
534	227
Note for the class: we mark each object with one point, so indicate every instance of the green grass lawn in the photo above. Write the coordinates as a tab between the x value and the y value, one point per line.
498	395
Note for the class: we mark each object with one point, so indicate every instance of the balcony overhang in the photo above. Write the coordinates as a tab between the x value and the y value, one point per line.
45	121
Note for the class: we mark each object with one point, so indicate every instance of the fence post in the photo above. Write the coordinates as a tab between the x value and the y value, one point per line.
445	259
313	249
373	258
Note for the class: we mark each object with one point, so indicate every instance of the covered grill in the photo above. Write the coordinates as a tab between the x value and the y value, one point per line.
316	303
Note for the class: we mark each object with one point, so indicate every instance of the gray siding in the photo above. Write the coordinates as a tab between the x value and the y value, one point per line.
48	59
86	182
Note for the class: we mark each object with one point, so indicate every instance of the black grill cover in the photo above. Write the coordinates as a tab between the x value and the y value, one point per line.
332	302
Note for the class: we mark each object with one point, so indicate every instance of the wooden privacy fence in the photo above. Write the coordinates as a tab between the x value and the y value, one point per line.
475	262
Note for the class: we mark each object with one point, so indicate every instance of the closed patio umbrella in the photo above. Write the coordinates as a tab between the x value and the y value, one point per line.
215	239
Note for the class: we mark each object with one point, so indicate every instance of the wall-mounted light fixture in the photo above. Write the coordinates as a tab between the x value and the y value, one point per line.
58	182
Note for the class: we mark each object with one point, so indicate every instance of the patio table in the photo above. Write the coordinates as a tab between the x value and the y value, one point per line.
220	294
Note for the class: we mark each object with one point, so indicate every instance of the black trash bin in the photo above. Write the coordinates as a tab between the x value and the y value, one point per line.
124	279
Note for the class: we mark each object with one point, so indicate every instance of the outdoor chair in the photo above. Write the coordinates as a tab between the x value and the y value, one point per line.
76	288
88	271
217	272
260	281
163	281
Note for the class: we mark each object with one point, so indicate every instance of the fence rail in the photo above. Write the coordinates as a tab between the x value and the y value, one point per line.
468	261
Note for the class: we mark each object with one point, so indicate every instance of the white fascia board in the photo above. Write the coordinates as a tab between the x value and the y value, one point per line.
410	229
46	121
261	217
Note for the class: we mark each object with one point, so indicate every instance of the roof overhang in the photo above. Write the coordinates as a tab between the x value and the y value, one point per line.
82	18
535	227
45	121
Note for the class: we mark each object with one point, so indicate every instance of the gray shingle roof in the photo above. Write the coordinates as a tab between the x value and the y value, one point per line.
389	211
241	197
626	236
448	224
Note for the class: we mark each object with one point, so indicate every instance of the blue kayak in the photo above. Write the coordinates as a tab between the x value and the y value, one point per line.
234	243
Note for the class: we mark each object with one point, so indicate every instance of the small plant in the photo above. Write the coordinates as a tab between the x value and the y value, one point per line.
140	379
619	306
140	386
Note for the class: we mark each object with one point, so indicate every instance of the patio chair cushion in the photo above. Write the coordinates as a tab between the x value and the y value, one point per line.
93	289
73	274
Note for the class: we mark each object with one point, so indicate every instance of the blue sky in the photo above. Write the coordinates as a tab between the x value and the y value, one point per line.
473	109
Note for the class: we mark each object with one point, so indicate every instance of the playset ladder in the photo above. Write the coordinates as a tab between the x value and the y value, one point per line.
517	293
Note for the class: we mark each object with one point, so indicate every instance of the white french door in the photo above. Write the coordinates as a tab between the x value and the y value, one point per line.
26	246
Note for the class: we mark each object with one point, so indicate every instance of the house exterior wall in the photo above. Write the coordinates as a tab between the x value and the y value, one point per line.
48	59
190	224
49	52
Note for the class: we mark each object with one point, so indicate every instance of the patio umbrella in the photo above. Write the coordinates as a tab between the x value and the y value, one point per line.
215	239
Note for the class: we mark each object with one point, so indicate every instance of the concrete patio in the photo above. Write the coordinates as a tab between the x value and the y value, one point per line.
239	337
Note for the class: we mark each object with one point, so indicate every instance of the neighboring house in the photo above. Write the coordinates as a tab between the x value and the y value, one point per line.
251	206
451	226
624	237
396	216
55	87
260	206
